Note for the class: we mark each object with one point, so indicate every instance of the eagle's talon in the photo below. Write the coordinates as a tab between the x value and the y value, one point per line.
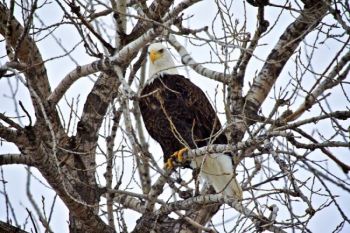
175	158
178	155
169	165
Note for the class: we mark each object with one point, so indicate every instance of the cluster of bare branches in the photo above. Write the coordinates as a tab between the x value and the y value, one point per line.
70	85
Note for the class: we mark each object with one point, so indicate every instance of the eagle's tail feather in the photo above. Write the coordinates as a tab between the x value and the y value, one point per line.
217	170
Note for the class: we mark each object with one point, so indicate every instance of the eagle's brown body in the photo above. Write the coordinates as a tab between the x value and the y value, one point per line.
177	114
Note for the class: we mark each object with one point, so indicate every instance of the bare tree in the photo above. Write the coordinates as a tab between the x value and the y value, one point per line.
281	70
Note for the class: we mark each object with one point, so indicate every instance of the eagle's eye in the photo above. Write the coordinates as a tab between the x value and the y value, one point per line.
161	50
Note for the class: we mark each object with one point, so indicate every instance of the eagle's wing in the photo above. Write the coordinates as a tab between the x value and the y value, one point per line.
217	168
202	115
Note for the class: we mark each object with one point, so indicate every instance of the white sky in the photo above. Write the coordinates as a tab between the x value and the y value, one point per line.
203	12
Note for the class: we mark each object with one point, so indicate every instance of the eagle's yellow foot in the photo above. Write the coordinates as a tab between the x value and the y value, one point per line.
176	157
169	164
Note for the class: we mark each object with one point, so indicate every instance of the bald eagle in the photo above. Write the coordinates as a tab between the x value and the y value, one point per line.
178	115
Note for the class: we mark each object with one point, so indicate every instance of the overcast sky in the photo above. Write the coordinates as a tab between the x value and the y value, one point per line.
202	12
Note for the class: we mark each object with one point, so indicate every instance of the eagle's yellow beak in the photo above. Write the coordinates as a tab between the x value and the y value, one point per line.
154	55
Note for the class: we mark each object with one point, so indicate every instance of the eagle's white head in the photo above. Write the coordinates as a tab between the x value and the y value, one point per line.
160	60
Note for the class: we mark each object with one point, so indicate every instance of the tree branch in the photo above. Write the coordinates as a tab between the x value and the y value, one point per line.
9	135
124	56
209	199
27	52
155	12
329	82
283	50
186	59
10	122
8	159
8	228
